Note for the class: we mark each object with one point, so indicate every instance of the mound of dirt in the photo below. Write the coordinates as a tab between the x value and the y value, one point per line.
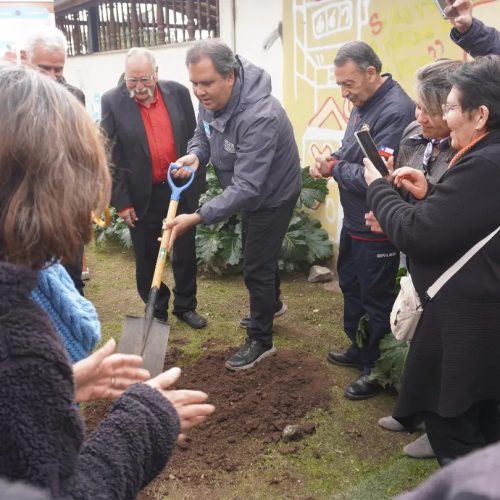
253	408
251	405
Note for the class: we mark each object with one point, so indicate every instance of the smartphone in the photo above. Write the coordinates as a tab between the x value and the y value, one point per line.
369	149
446	9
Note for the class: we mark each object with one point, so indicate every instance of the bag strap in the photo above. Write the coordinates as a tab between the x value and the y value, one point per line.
451	271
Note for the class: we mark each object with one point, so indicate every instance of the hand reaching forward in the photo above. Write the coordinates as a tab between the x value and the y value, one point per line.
104	375
180	225
190	405
412	180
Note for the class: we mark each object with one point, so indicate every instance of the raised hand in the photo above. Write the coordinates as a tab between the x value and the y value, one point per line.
104	375
462	21
190	405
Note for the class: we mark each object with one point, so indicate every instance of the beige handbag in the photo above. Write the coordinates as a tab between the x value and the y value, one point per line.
408	307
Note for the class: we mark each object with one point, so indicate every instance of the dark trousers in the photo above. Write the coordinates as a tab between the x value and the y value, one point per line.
452	438
263	232
367	276
183	258
74	269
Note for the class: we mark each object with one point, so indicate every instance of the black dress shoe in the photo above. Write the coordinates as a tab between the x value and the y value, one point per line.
193	319
342	359
362	388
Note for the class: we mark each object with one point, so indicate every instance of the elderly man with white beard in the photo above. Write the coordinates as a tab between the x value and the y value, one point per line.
149	122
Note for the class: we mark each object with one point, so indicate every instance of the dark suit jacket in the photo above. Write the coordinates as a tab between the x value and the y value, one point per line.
121	121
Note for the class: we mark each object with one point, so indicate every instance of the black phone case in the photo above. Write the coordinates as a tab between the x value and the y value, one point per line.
368	147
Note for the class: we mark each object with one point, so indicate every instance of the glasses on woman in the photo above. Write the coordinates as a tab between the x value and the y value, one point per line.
134	81
447	107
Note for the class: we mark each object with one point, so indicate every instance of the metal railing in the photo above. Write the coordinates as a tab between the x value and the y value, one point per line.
101	26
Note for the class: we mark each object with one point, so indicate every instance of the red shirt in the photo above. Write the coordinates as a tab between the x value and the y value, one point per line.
160	136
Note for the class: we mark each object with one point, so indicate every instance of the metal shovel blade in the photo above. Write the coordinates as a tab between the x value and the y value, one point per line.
153	350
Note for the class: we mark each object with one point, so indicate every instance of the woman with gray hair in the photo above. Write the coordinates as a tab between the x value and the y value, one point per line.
452	371
425	146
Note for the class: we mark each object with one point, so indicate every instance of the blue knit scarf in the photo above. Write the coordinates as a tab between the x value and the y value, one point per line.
73	316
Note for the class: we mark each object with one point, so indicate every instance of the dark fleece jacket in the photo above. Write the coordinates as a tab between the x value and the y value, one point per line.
41	430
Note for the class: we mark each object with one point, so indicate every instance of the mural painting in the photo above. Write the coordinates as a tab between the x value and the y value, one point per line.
405	34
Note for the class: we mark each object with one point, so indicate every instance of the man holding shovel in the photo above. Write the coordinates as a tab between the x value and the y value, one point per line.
149	123
248	137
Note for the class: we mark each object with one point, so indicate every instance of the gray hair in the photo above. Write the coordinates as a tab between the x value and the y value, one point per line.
360	53
141	52
433	85
220	54
49	37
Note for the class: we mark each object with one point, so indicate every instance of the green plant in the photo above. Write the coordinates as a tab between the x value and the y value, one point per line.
116	232
389	367
219	246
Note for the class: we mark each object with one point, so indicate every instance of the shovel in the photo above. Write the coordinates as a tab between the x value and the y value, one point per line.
148	336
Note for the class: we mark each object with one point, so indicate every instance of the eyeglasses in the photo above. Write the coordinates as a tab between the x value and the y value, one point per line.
447	107
134	81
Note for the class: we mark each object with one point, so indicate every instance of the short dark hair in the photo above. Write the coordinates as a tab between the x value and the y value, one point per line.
433	85
360	53
222	56
478	83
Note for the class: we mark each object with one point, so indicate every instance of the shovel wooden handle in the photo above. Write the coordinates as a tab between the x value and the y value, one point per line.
165	240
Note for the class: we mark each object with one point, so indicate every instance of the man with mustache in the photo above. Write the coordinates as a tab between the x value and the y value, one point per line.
149	123
367	263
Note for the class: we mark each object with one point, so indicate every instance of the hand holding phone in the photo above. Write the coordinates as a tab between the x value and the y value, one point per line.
369	149
446	8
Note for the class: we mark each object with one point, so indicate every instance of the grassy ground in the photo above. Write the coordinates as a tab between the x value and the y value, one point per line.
349	457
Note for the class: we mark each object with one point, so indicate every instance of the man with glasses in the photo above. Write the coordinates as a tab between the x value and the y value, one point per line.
149	123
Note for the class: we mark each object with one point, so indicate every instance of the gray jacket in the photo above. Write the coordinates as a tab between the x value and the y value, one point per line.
252	147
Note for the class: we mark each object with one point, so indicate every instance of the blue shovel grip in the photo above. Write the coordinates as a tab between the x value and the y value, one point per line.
177	190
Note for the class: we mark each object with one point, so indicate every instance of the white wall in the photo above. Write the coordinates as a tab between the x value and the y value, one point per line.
255	20
245	31
96	73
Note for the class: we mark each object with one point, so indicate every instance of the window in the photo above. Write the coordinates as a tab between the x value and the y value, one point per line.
103	26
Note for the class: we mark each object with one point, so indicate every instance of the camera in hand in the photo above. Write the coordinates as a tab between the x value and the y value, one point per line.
369	149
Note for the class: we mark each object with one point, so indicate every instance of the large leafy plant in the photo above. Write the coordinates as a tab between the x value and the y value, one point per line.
219	246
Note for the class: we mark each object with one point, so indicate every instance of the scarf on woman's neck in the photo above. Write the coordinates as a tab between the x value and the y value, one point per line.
466	149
